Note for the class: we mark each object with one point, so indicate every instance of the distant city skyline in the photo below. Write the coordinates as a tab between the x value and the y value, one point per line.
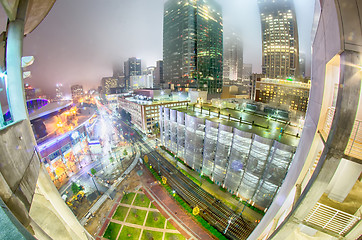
79	41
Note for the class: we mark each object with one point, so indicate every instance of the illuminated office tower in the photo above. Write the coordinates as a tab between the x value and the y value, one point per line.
132	67
109	84
279	38
233	59
77	91
193	44
58	91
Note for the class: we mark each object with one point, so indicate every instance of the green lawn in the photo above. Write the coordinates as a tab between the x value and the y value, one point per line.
120	213
153	206
174	236
128	198
136	216
148	235
170	226
129	233
155	219
112	231
141	201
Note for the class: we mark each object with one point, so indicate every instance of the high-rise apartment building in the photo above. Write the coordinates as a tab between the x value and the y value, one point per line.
109	84
302	69
193	44
77	91
158	81
233	59
247	70
279	38
119	75
145	80
58	91
290	94
132	67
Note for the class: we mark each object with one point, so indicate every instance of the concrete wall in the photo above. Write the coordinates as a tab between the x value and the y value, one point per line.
338	35
19	168
51	214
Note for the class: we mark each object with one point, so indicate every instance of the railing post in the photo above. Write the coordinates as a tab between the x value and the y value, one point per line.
2	121
355	135
14	49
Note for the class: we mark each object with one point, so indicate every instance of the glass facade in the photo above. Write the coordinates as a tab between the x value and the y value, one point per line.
279	38
193	44
244	163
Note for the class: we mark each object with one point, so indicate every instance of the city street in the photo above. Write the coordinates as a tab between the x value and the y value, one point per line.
115	156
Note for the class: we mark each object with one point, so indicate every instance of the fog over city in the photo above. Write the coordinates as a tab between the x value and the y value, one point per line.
79	41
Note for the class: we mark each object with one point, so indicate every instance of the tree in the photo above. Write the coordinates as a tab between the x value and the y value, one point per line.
93	171
126	116
156	129
75	188
125	152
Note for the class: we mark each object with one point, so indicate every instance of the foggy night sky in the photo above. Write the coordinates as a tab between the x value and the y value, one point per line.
79	40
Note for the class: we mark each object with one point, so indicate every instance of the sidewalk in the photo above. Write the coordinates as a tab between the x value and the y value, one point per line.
171	210
214	190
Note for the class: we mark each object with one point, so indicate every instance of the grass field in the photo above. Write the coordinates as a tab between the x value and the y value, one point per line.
170	226
156	220
120	213
129	233
141	201
128	198
147	235
136	216
112	231
174	236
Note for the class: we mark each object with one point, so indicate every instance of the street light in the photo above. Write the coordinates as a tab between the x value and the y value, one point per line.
230	219
91	175
158	163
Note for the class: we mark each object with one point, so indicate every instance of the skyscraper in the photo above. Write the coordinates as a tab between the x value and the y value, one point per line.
280	38
158	78
132	67
193	44
58	91
109	84
77	91
233	59
119	75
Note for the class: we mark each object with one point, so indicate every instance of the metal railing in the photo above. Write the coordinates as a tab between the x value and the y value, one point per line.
331	219
354	146
328	122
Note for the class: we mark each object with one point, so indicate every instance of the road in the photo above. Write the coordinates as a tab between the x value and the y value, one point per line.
106	171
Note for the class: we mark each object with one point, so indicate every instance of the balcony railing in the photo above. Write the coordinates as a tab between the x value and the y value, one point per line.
331	219
354	146
328	122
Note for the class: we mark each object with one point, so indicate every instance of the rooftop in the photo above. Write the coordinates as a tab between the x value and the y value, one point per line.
151	102
49	108
250	122
286	82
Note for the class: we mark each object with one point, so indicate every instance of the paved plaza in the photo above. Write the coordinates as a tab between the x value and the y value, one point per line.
135	217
